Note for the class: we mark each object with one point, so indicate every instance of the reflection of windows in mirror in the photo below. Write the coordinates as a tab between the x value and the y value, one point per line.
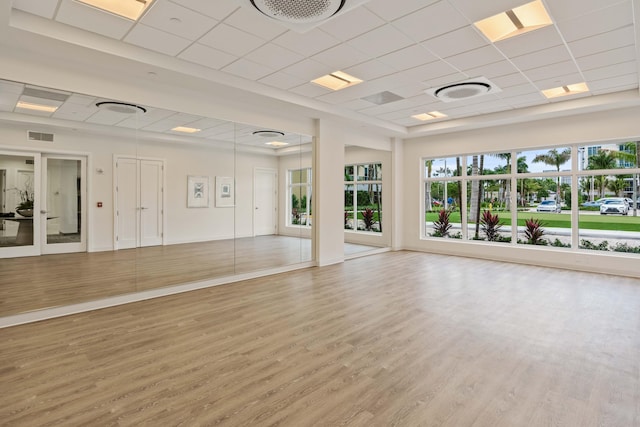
299	197
363	197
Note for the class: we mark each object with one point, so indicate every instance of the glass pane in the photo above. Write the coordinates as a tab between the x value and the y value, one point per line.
17	197
624	155
348	173
63	201
442	205
298	176
609	223
296	210
553	160
369	172
442	167
544	214
489	210
348	207
369	207
494	163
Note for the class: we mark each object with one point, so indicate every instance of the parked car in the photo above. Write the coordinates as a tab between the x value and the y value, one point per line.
614	205
548	206
594	203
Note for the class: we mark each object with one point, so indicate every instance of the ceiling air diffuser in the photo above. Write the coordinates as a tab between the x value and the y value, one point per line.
463	90
301	15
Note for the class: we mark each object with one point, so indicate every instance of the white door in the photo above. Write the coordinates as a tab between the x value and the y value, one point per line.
63	204
139	200
265	214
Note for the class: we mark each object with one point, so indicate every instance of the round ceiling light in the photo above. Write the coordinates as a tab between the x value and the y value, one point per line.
296	11
268	133
121	107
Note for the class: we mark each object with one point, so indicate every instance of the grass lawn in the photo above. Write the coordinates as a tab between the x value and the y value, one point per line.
562	220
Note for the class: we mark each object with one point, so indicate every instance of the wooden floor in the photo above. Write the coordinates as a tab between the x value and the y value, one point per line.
33	283
395	339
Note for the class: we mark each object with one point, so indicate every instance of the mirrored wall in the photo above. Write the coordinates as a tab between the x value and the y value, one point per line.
102	198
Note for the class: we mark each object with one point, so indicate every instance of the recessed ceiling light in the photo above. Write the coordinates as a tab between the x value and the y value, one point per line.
185	129
130	9
336	80
36	107
566	90
429	116
519	20
277	143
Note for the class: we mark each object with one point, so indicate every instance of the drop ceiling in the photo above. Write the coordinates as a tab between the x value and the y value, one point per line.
402	47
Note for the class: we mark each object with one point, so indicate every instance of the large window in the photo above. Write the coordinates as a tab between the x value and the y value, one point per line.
299	183
363	197
566	197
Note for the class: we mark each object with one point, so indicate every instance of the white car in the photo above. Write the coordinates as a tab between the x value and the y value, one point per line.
548	206
614	205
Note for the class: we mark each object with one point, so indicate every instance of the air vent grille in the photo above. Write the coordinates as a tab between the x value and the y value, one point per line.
464	90
40	136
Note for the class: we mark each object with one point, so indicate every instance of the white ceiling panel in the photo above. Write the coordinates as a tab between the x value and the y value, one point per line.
602	59
341	56
409	90
156	40
11	87
70	111
569	9
274	56
243	42
214	9
106	117
352	24
282	81
542	58
510	80
611	71
91	19
408	57
308	43
428	22
477	57
533	41
629	81
247	69
370	70
310	90
177	20
8	100
491	71
309	69
458	41
381	41
603	42
207	56
391	10
557	81
476	10
602	21
255	24
554	70
44	8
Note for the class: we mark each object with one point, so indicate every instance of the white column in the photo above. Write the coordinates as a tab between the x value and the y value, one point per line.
397	193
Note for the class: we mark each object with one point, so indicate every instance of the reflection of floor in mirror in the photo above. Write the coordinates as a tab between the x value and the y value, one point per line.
32	283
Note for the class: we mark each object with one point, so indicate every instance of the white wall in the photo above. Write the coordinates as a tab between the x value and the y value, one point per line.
620	124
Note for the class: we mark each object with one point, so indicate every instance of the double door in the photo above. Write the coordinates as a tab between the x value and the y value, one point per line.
139	189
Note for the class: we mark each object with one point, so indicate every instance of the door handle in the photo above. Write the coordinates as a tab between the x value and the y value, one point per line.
44	212
143	208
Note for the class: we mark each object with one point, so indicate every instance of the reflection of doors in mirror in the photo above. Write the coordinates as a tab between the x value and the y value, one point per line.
139	200
265	202
63	207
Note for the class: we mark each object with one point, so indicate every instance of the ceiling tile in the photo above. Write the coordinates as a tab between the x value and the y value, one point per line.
475	10
156	40
44	8
552	70
71	111
533	41
510	80
231	40
274	56
391	10
614	56
381	41
8	100
410	89
91	19
519	90
341	56
247	69
428	22
370	70
602	21
307	44
491	71
352	24
561	10
255	23
603	42
628	81
475	58
106	117
282	81
356	104
458	41
177	20
207	56
542	57
11	87
557	81
311	90
309	69
611	71
408	57
213	9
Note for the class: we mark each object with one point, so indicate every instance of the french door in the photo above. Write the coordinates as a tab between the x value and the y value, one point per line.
139	193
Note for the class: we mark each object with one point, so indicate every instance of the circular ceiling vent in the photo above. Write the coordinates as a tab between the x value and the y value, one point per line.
464	90
268	133
121	107
299	11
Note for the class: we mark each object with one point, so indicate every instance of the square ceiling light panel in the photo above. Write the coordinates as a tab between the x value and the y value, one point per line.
337	80
513	22
566	90
130	9
429	116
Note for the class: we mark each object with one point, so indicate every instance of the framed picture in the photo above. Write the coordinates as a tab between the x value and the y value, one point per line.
197	191
225	195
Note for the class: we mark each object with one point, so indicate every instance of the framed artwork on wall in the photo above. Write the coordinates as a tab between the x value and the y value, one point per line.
197	191
225	193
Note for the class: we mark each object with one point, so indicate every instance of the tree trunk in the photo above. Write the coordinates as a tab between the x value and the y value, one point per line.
479	198
475	188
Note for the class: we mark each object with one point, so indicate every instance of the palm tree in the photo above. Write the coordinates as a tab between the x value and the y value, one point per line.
616	185
475	189
428	198
506	183
603	159
557	159
522	167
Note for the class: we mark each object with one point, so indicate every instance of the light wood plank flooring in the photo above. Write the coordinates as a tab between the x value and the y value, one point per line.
400	338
